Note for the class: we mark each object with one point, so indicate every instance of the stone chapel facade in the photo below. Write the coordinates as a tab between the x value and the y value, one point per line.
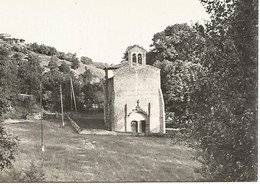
133	96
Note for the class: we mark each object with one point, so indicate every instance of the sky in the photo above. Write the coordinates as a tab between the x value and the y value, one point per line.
99	29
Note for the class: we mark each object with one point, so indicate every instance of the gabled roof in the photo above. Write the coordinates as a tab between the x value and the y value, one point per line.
124	63
130	47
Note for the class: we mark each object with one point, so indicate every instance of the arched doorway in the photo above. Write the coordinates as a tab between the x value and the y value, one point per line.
134	126
138	122
142	126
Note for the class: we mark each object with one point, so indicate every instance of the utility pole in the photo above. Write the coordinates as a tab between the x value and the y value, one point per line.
71	100
41	116
73	94
61	104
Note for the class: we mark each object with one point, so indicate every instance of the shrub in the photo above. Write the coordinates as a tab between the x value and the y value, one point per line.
32	174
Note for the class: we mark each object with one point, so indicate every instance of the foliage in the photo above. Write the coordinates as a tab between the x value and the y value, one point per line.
178	42
86	60
64	68
150	58
8	79
19	73
75	63
177	80
92	93
224	102
174	51
221	101
32	174
7	145
42	49
53	63
100	65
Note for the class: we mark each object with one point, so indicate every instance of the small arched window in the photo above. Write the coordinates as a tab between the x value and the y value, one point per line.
140	59
134	58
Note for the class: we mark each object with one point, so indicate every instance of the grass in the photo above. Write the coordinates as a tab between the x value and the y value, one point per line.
70	157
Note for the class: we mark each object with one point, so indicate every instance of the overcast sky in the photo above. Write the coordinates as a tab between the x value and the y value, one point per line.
99	29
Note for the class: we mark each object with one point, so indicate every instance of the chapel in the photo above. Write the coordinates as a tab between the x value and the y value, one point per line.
133	96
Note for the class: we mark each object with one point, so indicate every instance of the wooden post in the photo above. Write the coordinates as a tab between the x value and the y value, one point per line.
61	105
106	100
149	117
125	117
41	116
71	100
73	94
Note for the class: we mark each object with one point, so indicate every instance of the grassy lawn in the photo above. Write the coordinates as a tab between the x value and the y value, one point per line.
70	157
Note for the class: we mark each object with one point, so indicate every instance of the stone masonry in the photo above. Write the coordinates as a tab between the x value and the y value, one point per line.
133	97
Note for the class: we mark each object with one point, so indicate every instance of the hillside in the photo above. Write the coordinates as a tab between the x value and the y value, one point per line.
19	46
24	66
97	72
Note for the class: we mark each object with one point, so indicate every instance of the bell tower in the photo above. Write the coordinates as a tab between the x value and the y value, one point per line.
137	56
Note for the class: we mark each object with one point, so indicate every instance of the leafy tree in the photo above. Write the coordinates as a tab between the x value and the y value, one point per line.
33	75
177	51
7	145
150	58
178	42
75	64
86	60
8	78
62	55
177	83
223	102
64	68
51	89
86	77
8	86
53	63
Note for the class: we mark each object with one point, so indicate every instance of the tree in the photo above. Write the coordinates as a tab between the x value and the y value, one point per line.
64	68
177	51
53	63
177	83
7	145
51	83
8	78
86	60
75	64
178	42
223	102
8	84
87	76
150	58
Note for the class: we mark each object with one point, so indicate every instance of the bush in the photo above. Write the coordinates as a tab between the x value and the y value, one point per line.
7	145
32	174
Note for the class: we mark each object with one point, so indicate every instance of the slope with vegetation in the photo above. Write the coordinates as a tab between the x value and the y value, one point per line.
25	66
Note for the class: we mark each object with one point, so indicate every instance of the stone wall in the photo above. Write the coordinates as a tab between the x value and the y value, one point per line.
130	85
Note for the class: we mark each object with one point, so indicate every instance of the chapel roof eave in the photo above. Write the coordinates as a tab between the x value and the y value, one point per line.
116	66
